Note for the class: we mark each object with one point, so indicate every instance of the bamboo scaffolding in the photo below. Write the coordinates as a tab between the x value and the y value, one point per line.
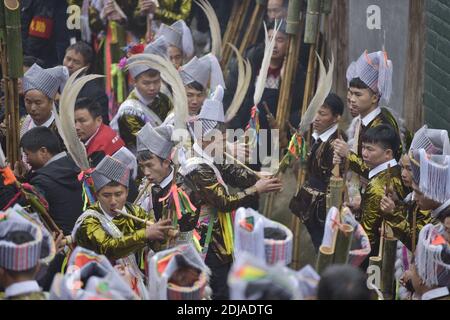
256	20
234	27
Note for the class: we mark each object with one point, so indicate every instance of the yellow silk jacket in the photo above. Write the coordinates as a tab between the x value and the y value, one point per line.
26	296
131	123
207	191
371	214
170	11
403	228
91	234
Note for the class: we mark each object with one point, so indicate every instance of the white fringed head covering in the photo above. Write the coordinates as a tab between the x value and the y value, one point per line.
375	70
434	141
101	281
22	257
48	81
204	70
178	35
429	257
435	176
110	169
156	140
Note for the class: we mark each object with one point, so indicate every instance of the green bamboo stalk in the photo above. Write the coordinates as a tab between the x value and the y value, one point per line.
388	267
312	21
326	6
324	259
13	38
293	19
343	244
2	22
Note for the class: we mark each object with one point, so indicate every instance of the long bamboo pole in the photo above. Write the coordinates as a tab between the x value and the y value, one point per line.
233	31
254	26
311	36
295	30
14	60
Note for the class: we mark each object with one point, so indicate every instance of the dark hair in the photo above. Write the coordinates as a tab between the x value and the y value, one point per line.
335	104
343	282
149	73
84	49
146	155
384	135
359	84
19	237
196	86
41	137
28	61
92	106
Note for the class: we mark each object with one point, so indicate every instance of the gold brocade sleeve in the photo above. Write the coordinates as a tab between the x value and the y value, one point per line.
92	235
402	227
238	177
166	12
357	165
129	127
211	192
371	212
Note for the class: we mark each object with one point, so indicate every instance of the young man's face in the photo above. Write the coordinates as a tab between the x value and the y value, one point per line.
38	106
324	119
148	86
362	101
281	45
112	198
423	202
195	100
374	154
353	111
155	169
37	159
405	164
175	56
275	10
74	61
85	124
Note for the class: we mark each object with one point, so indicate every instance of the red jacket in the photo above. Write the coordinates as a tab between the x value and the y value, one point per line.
105	142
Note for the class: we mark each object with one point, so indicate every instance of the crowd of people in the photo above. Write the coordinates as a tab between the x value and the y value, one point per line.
108	202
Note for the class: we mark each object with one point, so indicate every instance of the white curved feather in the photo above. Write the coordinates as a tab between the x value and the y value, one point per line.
216	37
244	78
66	119
262	77
172	77
323	89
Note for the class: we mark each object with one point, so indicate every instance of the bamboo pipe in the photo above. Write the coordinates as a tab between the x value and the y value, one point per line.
172	233
324	259
254	26
244	165
235	25
141	193
343	243
388	267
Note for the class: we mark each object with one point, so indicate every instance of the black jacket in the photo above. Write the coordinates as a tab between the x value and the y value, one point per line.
270	96
58	182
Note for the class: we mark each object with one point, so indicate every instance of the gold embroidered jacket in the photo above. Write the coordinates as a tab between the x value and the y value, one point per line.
91	234
170	11
371	214
205	190
403	228
130	124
